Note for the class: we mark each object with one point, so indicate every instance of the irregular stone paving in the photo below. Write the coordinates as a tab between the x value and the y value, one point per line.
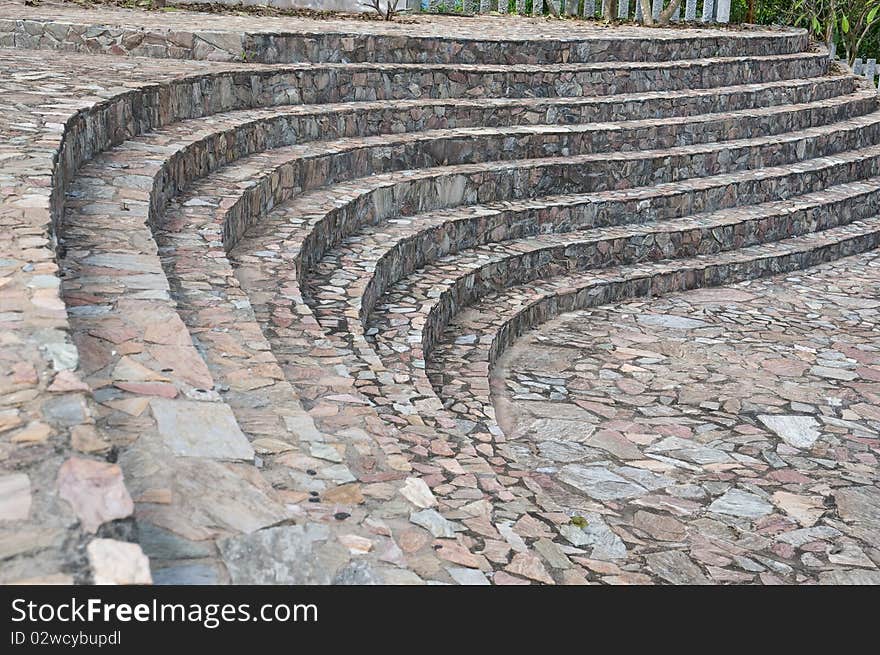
59	488
201	390
457	280
725	435
244	388
403	232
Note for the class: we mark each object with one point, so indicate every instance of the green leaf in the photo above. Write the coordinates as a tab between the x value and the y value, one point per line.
873	14
844	24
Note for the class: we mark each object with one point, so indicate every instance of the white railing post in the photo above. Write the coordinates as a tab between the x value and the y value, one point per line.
857	66
723	14
690	10
521	6
708	11
623	9
638	11
870	70
589	9
537	6
656	8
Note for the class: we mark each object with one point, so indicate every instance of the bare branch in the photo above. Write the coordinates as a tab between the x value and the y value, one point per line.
666	14
647	12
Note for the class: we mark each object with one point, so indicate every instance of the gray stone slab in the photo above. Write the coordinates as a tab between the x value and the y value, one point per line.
676	567
290	554
194	429
741	503
599	483
796	431
671	321
852	576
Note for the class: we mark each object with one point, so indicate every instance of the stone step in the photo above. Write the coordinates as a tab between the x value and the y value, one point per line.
129	190
200	484
298	454
474	340
285	48
338	389
185	457
178	153
328	214
421	305
487	260
121	307
260	86
189	149
107	198
236	417
379	255
341	42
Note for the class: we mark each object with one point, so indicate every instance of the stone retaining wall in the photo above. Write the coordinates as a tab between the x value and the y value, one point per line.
341	47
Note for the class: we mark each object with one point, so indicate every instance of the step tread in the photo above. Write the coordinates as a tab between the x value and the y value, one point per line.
338	281
263	163
474	339
176	135
512	299
311	207
232	118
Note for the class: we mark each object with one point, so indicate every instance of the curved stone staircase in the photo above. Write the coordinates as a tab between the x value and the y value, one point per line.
287	285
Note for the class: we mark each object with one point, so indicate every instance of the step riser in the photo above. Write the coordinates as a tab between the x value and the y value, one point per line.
353	47
449	190
451	236
291	48
111	122
710	276
574	257
480	358
210	153
321	84
428	245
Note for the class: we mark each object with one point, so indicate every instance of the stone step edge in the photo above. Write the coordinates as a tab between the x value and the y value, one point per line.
290	47
450	298
198	157
269	195
281	292
480	212
841	101
817	90
272	195
188	163
201	242
189	168
358	320
637	197
256	213
682	275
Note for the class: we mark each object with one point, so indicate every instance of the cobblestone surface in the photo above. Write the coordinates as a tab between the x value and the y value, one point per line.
250	314
725	435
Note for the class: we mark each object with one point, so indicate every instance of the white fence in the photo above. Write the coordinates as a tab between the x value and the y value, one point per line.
705	11
867	69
